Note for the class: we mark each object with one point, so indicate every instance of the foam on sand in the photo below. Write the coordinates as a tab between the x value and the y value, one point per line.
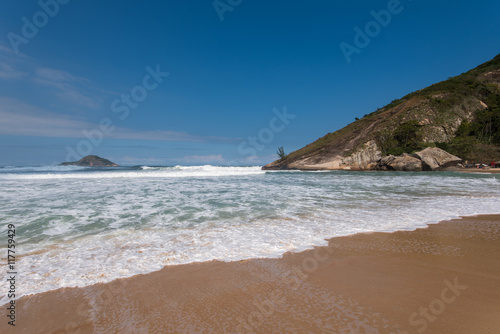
85	230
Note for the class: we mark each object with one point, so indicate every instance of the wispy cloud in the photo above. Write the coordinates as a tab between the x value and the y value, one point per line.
201	159
8	72
11	65
66	87
55	76
21	119
8	52
165	135
259	159
123	133
128	160
142	147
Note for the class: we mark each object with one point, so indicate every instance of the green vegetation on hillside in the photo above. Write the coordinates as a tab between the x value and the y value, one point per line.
483	130
459	86
405	139
281	153
478	139
479	135
460	115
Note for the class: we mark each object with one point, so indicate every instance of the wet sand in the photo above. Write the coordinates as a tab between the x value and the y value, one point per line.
474	170
441	279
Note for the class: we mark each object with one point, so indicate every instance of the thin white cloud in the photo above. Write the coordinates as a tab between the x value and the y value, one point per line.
128	160
8	72
71	94
53	75
256	159
66	87
70	91
123	133
21	119
201	159
7	52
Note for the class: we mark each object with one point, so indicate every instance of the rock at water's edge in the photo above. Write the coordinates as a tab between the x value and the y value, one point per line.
434	158
404	163
430	159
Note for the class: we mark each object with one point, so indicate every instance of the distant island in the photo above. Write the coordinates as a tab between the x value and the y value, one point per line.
460	115
91	161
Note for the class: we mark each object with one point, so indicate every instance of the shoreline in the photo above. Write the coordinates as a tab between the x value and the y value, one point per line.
349	169
440	278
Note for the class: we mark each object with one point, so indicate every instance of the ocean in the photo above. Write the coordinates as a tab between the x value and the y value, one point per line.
78	226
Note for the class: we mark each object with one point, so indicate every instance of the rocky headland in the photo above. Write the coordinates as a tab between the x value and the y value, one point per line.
460	115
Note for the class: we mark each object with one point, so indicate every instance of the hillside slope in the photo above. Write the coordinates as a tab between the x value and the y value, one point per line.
460	115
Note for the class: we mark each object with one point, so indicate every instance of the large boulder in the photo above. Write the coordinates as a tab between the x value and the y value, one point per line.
384	162
434	158
404	162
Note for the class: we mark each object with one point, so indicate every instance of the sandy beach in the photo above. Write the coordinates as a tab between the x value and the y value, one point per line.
474	170
441	279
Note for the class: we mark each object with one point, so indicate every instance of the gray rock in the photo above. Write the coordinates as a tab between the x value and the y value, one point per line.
384	162
404	162
434	158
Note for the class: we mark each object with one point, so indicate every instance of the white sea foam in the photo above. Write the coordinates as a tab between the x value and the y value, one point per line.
51	168
87	230
149	168
145	172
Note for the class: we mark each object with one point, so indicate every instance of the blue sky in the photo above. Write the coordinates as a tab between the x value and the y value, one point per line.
225	82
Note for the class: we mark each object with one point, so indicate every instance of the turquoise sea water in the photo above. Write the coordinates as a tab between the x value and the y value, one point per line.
79	226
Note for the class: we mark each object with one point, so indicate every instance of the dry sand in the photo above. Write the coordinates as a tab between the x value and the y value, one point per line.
443	279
